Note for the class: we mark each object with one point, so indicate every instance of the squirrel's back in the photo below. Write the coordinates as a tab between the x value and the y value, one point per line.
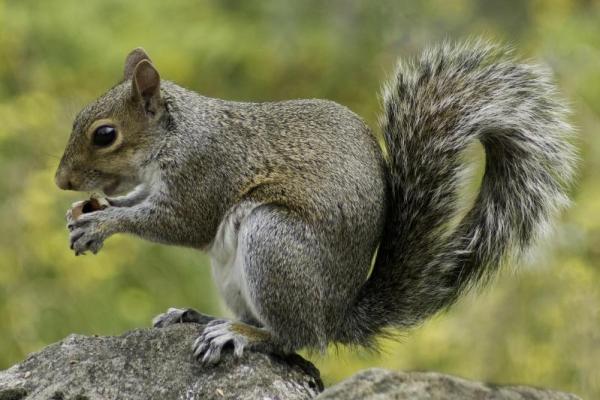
312	154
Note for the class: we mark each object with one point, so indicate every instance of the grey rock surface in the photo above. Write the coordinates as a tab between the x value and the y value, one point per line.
157	364
153	364
380	384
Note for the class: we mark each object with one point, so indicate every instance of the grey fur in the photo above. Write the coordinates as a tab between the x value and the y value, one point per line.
434	108
291	199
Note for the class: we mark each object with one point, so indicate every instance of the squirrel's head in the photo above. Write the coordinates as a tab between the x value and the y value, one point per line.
113	136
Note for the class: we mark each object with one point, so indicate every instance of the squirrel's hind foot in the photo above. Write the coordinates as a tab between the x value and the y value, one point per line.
179	316
221	333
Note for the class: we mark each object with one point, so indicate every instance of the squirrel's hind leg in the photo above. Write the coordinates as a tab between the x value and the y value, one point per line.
278	261
285	266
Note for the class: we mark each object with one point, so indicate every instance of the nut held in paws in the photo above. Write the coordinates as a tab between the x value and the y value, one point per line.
88	206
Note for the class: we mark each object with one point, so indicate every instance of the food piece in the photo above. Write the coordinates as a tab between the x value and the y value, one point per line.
88	206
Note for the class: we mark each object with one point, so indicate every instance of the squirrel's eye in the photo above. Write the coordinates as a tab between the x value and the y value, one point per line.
104	135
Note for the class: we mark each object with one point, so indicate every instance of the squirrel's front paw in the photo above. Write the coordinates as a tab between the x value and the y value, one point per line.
87	232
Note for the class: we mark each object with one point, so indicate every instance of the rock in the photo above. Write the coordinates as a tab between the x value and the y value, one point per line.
153	364
379	384
157	364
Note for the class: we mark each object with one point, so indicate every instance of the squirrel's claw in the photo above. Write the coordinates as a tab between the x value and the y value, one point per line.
180	315
85	234
82	241
171	317
217	334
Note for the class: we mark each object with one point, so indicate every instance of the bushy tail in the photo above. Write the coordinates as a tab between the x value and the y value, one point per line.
434	108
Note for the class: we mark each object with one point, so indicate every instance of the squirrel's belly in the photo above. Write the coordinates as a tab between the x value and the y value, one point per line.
227	261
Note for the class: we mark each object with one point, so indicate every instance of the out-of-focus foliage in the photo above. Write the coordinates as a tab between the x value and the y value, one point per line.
538	327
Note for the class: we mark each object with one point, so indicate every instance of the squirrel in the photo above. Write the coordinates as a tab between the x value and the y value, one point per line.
317	232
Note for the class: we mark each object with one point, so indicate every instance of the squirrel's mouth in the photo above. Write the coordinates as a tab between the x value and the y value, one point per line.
119	186
112	188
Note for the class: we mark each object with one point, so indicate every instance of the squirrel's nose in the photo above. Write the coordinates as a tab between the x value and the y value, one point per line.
62	180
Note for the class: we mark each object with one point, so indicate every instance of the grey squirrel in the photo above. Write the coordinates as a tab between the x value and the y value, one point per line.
295	200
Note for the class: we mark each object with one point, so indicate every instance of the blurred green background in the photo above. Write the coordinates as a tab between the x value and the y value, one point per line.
538	327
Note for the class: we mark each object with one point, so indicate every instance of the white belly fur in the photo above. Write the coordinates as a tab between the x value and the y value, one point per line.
227	260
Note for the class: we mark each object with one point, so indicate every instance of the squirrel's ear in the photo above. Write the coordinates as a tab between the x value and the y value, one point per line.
133	58
145	85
